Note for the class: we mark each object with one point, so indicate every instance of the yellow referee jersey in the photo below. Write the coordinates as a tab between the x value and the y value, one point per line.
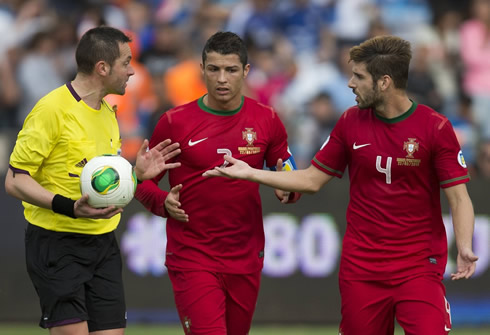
59	136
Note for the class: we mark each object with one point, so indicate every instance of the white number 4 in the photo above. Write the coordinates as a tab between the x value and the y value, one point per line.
387	170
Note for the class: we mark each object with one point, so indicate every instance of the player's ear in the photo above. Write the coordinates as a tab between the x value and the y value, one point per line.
102	68
246	69
385	82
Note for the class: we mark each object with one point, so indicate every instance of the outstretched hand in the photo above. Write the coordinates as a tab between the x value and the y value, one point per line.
150	163
83	210
238	170
283	196
466	265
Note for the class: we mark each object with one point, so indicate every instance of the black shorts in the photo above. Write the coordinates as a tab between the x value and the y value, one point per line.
77	277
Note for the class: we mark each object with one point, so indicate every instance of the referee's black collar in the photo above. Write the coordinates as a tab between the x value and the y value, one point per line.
73	92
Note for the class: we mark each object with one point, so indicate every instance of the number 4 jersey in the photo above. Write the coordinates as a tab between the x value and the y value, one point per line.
396	168
225	230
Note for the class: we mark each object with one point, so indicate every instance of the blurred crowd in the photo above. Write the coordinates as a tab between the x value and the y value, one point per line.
298	51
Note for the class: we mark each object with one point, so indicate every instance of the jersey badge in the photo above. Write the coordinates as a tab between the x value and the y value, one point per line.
461	160
250	136
410	147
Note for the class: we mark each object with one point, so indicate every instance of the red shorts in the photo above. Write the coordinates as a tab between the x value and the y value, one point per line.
215	303
419	306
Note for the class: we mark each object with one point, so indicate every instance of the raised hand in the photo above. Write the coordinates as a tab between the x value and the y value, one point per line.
150	163
83	210
283	196
172	205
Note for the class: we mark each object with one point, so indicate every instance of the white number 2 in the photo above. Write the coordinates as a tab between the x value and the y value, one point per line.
386	170
225	152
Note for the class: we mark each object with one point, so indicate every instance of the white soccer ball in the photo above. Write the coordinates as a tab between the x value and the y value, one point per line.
109	180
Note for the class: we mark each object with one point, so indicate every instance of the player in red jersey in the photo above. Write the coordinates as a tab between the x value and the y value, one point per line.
398	155
215	236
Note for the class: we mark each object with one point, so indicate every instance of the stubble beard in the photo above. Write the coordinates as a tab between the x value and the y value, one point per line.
371	100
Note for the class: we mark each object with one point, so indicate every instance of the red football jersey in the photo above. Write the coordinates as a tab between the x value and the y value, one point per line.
396	168
225	230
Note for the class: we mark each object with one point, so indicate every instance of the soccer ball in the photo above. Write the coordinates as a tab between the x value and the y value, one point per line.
108	180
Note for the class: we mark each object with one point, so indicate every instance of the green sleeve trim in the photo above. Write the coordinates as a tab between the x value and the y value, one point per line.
340	173
455	179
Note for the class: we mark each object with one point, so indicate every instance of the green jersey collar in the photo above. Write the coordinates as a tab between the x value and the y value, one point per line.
205	108
401	117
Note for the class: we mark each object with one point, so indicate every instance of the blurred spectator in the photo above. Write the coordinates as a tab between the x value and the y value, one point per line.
22	20
162	52
483	163
270	72
183	82
420	86
9	92
475	53
175	12
441	40
139	20
7	21
313	128
158	58
256	21
302	23
352	19
38	72
377	28
97	13
65	34
402	17
316	73
210	17
465	131
342	95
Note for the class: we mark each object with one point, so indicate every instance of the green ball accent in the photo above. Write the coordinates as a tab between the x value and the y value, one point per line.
135	181
105	180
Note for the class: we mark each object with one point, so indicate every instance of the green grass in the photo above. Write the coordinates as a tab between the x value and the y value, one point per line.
134	329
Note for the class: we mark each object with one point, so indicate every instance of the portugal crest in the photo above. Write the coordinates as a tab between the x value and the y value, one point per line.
410	147
250	136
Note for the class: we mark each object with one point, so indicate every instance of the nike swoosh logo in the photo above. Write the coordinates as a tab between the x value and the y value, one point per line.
196	142
355	147
446	328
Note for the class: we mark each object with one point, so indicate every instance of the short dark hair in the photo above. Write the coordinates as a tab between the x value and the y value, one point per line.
385	55
100	43
226	43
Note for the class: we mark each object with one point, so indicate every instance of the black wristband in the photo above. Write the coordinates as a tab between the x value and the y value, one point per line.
63	205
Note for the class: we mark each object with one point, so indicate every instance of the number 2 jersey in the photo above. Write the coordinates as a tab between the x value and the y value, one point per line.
396	169
225	229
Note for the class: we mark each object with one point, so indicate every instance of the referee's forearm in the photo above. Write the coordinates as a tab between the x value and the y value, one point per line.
25	188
